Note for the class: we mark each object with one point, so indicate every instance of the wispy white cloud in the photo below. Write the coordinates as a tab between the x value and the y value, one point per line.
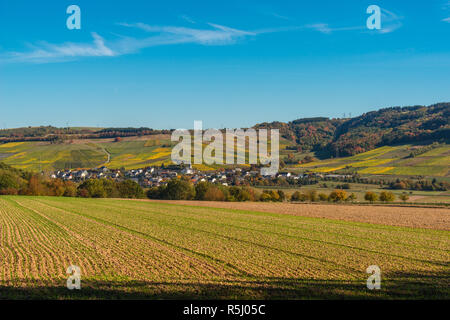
390	21
446	7
217	35
325	28
46	52
321	27
279	16
187	18
213	34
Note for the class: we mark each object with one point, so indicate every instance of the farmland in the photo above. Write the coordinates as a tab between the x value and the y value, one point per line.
139	152
142	249
387	160
45	156
131	153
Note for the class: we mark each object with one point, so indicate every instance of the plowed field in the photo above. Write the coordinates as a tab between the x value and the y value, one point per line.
137	249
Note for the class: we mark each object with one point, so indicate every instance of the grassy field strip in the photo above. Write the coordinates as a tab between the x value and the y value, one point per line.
319	236
133	238
332	226
270	236
186	243
119	249
79	232
328	227
69	248
29	239
123	272
29	236
226	246
148	249
306	220
136	216
10	255
316	236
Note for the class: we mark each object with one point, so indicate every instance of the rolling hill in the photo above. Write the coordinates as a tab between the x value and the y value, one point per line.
348	137
396	160
393	141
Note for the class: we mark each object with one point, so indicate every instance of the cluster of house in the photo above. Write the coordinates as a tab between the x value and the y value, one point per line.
156	176
80	175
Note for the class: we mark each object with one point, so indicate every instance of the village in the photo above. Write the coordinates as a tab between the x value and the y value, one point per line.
156	176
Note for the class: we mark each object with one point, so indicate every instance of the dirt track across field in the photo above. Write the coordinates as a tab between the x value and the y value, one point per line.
416	217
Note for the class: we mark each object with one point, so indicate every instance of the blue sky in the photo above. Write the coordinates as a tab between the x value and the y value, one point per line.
164	64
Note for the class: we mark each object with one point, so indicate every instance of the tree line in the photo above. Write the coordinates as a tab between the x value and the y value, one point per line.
19	182
183	189
425	185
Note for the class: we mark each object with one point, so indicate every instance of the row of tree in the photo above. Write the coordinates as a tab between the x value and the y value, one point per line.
340	195
313	196
182	189
385	196
426	185
19	182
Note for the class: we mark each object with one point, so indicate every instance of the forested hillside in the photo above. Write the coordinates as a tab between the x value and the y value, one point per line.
346	137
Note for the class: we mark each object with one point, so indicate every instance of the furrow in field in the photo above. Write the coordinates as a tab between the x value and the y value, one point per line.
42	238
63	248
14	244
360	254
384	254
9	256
386	247
322	227
85	246
188	253
255	258
156	261
37	246
154	248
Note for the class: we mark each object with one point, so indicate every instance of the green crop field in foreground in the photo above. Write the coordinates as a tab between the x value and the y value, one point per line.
137	249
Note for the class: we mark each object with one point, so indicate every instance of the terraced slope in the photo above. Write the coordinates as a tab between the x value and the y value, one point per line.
139	152
389	160
130	153
133	249
85	154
